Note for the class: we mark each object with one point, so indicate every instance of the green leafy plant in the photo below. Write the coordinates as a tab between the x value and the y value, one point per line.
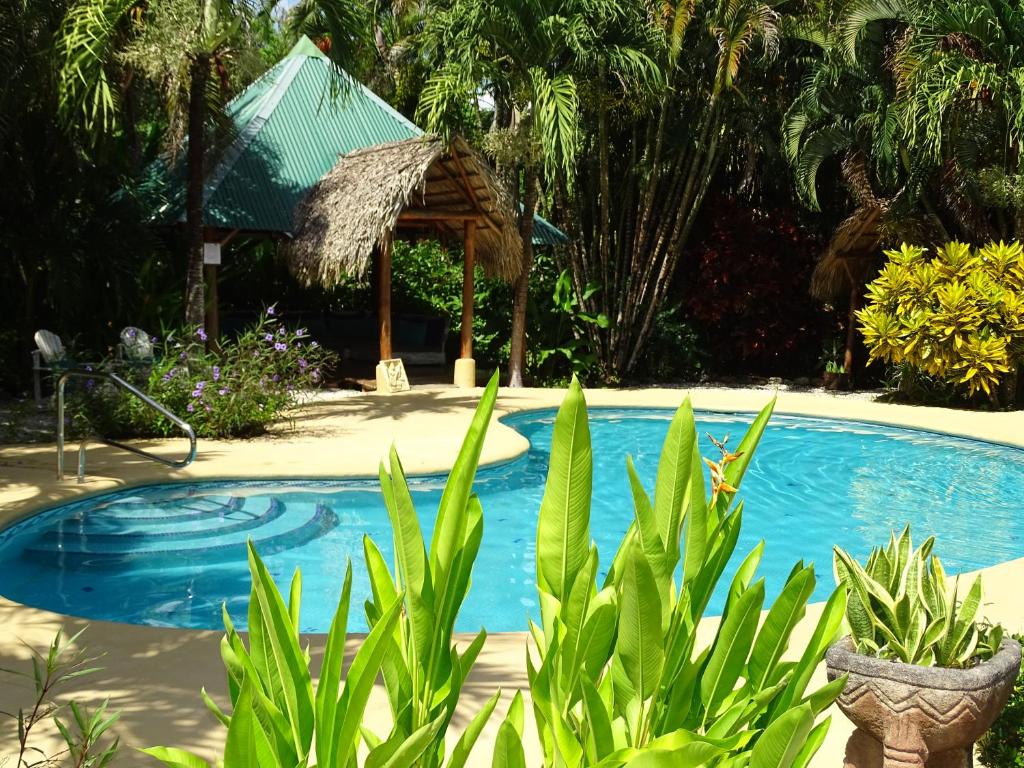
902	607
573	343
958	316
423	670
85	734
619	673
1002	746
252	381
276	717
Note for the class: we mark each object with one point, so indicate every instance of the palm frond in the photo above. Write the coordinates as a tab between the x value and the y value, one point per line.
87	98
820	145
556	111
864	12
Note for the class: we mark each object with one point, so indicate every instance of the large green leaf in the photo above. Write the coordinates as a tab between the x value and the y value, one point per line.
825	631
601	740
812	743
732	644
329	685
696	520
460	753
674	466
508	748
734	471
449	527
409	751
359	682
563	526
247	745
783	616
639	643
410	554
285	656
743	576
647	528
783	739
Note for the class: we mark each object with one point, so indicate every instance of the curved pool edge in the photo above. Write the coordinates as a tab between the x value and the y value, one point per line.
427	425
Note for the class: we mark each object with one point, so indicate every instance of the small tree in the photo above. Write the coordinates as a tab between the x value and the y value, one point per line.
533	58
958	316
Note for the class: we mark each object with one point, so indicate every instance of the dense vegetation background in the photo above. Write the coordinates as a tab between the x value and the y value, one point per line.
729	172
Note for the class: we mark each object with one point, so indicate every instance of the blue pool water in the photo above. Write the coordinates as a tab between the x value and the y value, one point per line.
169	555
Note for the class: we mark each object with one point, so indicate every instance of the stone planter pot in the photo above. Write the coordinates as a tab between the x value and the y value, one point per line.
919	717
834	381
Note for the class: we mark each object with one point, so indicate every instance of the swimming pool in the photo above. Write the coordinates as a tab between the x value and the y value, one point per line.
169	555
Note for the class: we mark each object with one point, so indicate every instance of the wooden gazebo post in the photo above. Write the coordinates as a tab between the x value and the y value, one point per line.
390	372
465	366
384	296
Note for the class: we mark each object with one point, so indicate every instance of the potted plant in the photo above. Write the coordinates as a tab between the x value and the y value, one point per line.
835	375
925	678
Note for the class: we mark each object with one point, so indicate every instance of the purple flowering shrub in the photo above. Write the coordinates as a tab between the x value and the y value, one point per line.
262	375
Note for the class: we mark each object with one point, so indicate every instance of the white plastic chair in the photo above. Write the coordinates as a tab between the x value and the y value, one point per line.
50	355
136	346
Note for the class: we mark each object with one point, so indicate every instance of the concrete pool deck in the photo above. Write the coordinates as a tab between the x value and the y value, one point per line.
154	675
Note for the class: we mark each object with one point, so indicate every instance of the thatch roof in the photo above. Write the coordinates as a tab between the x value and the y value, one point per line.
351	209
850	254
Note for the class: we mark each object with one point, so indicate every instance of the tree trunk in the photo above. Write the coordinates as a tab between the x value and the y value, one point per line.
517	346
851	330
194	294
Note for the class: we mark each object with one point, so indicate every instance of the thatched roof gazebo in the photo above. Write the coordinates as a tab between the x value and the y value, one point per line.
410	187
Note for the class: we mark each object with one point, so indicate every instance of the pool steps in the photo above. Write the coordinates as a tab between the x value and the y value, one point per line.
97	542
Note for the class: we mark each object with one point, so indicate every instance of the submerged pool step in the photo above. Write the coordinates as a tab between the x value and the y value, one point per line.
127	510
86	540
322	520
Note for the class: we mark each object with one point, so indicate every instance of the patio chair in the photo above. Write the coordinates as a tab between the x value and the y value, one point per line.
136	347
50	356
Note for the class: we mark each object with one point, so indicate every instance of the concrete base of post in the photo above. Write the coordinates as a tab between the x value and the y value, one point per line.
465	373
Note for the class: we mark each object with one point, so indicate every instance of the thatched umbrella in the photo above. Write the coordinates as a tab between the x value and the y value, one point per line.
417	184
852	252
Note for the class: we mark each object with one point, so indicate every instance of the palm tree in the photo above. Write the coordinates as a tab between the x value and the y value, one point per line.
184	47
846	109
921	100
530	57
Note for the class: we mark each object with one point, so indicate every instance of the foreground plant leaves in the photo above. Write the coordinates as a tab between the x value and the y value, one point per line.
643	693
423	670
275	715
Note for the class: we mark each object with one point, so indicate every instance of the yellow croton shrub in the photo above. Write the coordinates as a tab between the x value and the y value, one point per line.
957	315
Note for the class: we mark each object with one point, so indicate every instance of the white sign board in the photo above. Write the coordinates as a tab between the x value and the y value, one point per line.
211	253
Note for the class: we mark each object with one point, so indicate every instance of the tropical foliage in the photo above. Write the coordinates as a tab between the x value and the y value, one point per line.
423	670
535	59
902	607
276	717
617	673
958	316
650	156
238	390
86	732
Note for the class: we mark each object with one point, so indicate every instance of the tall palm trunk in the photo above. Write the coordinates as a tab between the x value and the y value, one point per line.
517	346
194	293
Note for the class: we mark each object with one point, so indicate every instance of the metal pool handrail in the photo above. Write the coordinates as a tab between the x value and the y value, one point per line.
117	381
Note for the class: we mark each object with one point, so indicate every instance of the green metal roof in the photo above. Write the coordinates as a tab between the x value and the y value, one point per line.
289	131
